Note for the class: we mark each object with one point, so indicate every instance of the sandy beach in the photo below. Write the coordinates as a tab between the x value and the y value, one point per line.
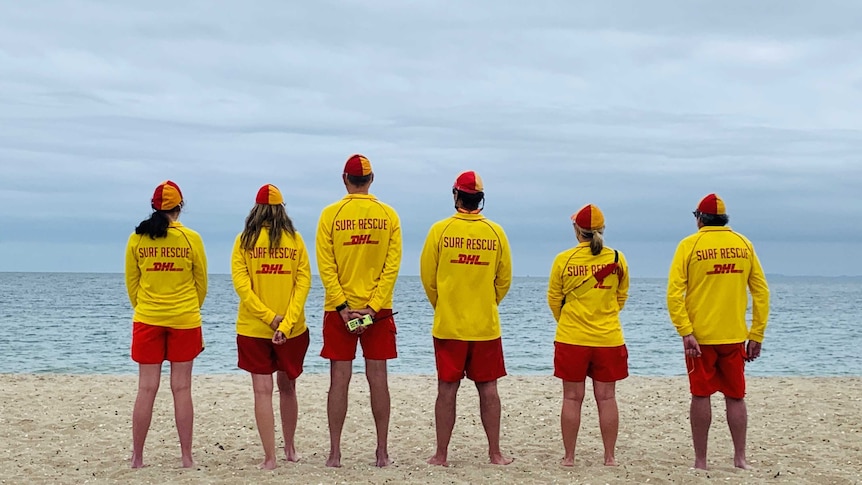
76	429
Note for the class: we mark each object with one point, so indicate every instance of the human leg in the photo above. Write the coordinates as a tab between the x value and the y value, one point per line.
289	414
737	421
336	406
489	409
142	413
609	417
444	419
378	384
263	417
700	415
184	411
570	418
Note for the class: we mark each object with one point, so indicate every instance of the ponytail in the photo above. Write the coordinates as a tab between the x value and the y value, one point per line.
157	224
597	242
596	238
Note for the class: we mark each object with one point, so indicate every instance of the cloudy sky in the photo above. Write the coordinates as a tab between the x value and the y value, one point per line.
639	107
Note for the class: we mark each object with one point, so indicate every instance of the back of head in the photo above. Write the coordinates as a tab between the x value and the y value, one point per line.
589	223
167	198
711	211
358	170
469	190
268	211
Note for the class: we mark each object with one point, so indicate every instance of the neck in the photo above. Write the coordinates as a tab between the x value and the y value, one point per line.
354	190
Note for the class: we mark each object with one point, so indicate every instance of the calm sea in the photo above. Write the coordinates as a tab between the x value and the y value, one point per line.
81	323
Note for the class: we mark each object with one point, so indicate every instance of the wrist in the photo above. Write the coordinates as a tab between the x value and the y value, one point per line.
341	307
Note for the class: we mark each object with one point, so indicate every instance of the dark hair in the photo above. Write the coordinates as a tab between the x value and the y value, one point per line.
157	224
358	180
273	217
713	219
469	201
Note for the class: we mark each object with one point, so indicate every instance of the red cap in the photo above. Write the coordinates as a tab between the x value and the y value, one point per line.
589	218
358	166
167	196
712	204
469	182
269	195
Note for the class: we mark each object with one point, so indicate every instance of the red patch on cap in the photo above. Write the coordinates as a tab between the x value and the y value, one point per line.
589	218
712	204
358	166
167	196
269	195
469	182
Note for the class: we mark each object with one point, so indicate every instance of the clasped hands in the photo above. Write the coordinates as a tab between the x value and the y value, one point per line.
350	313
279	337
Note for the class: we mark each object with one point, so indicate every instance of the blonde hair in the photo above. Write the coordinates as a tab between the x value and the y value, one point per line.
596	238
264	215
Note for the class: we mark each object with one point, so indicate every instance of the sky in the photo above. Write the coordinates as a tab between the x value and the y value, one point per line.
641	108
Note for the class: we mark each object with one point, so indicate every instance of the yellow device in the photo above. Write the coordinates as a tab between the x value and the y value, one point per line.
362	321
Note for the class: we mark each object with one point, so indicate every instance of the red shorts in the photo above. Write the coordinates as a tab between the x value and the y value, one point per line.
480	361
719	368
154	344
261	356
604	364
378	340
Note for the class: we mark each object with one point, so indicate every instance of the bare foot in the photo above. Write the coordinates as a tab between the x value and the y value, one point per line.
567	461
499	459
383	458
438	459
700	465
137	461
742	464
334	460
188	462
610	461
290	454
268	464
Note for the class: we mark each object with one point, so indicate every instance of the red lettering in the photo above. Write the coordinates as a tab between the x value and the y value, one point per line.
160	266
726	268
469	259
360	239
272	269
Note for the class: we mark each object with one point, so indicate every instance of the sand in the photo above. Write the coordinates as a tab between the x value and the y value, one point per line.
77	429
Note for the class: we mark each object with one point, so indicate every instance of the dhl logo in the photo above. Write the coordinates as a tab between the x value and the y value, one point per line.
272	269
469	259
727	268
163	267
360	239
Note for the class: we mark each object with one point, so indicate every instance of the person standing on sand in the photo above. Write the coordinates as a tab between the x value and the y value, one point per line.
358	247
272	276
706	299
466	270
587	288
166	278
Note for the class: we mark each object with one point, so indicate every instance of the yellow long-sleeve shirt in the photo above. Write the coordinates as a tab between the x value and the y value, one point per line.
166	278
358	248
466	270
592	319
706	289
271	282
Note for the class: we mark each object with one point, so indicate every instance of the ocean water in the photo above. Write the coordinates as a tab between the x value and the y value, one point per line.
80	323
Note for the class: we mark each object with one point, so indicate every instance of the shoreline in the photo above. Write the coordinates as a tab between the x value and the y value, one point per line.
71	428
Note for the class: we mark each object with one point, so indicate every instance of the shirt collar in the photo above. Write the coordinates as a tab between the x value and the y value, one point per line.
468	217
